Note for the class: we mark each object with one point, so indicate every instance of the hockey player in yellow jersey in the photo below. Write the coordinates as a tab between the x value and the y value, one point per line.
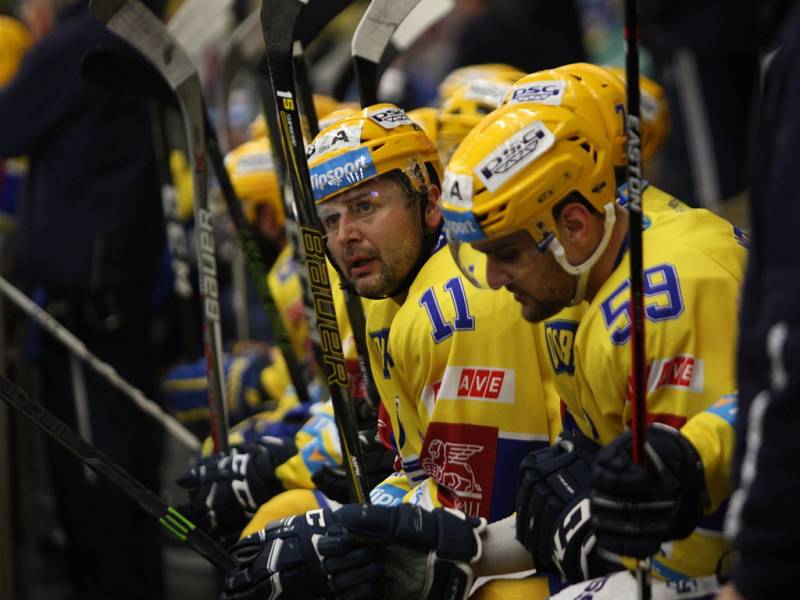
456	408
532	187
459	411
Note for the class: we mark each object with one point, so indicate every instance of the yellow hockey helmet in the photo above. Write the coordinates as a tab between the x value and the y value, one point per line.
655	112
258	128
515	167
425	117
252	172
324	105
462	75
346	109
15	40
377	140
465	108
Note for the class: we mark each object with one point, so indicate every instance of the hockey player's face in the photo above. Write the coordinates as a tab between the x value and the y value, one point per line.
374	234
537	281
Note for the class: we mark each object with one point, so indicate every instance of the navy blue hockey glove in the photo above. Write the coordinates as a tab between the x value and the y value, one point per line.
225	490
426	555
283	561
553	518
378	463
635	509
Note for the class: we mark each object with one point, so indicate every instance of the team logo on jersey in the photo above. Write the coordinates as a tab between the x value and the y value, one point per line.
560	337
515	153
461	458
346	136
341	172
478	383
541	92
487	92
389	118
381	340
457	189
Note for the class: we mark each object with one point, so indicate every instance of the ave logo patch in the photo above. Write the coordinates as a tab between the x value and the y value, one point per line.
541	92
514	154
478	383
391	117
560	336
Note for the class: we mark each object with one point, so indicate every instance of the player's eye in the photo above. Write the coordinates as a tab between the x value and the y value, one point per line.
330	221
364	208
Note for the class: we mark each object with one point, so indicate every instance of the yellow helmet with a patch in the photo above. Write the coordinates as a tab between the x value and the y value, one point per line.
377	140
252	172
465	108
458	77
15	40
654	110
516	166
555	87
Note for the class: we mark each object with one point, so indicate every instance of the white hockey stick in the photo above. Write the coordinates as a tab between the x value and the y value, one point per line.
79	349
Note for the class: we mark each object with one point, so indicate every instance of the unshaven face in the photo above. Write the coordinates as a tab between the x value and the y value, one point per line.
374	233
535	279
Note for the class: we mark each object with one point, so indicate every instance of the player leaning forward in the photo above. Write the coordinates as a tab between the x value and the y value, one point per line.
532	188
459	411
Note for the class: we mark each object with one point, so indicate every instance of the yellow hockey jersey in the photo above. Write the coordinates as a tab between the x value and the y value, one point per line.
694	264
463	393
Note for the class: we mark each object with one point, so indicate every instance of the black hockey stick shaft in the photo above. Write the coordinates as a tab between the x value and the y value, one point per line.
355	311
134	22
278	18
256	263
96	460
635	189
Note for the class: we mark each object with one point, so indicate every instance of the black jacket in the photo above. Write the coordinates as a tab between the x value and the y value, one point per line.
768	445
90	217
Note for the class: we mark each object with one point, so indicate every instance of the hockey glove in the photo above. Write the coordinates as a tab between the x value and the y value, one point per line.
225	490
553	519
635	509
378	462
283	561
426	555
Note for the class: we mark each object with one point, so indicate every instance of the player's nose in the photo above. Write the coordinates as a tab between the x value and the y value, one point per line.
496	275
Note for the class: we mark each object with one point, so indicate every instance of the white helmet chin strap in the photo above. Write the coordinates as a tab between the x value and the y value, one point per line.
582	270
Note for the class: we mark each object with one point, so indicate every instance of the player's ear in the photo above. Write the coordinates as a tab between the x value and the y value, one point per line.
432	215
574	224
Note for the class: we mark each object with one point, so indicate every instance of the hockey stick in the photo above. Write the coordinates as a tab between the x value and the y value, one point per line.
119	71
170	519
162	122
79	349
372	36
135	23
638	366
278	20
418	21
